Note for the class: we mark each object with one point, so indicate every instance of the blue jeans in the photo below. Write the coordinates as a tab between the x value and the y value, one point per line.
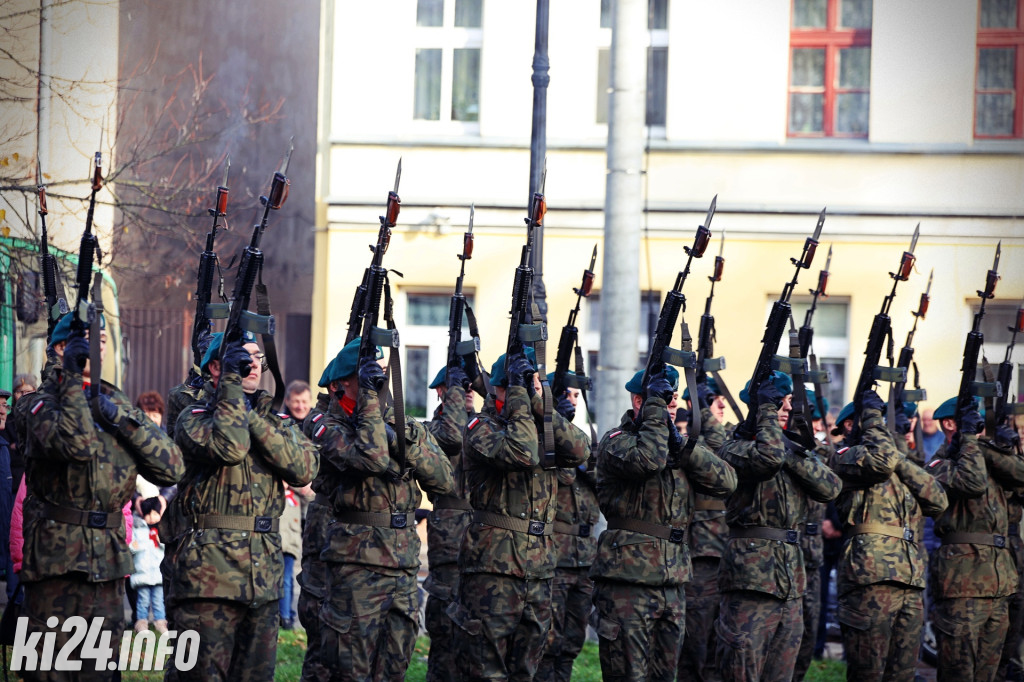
150	595
285	605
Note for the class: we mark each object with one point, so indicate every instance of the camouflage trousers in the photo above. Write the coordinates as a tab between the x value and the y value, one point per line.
309	606
503	624
970	633
881	627
368	623
640	630
572	593
1010	665
441	586
758	636
67	596
697	656
236	642
812	613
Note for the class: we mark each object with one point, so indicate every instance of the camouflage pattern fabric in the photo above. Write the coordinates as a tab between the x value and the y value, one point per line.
571	589
758	636
368	623
772	492
508	641
236	642
445	528
1011	666
73	595
881	626
179	398
236	459
970	632
73	463
505	590
640	629
811	609
697	655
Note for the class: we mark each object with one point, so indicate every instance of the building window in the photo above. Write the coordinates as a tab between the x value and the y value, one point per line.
424	339
590	337
999	87
657	63
831	345
997	327
448	40
830	68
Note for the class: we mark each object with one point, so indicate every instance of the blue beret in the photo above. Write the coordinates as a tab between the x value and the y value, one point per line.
345	362
214	350
498	377
909	409
325	378
636	384
812	398
710	383
551	375
62	330
845	413
947	410
782	381
439	378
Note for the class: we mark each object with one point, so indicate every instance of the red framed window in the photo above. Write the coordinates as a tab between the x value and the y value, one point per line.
999	83
830	68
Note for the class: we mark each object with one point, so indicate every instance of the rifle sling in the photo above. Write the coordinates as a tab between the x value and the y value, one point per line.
728	396
269	345
548	442
395	369
691	383
95	366
482	383
580	372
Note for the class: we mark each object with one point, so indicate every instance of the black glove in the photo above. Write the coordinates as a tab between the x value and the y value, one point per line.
768	392
149	505
456	376
970	420
659	387
205	339
902	422
392	438
565	407
869	400
236	359
106	413
518	369
76	353
704	396
1007	436
371	376
675	439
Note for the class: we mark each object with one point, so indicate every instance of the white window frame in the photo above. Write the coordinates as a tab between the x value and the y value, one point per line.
447	38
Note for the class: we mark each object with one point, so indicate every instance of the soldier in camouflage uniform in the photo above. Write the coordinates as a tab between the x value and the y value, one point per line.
576	513
881	573
226	574
445	525
81	470
762	574
646	478
507	557
706	537
1010	666
370	614
973	573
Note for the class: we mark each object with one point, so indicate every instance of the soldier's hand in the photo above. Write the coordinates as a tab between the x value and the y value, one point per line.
76	353
675	439
970	420
704	396
1007	436
869	400
518	369
660	387
106	413
565	407
236	359
392	437
902	423
456	376
768	392
371	376
205	338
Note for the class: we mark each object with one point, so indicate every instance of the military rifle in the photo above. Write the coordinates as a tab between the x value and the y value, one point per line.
780	314
879	338
85	316
1004	407
806	337
463	352
675	303
897	391
53	290
568	342
207	312
969	388
240	319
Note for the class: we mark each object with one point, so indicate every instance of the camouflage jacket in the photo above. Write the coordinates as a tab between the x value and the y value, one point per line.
708	530
236	459
772	492
636	481
576	509
974	476
445	526
180	398
501	459
812	544
313	576
367	479
881	486
74	464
